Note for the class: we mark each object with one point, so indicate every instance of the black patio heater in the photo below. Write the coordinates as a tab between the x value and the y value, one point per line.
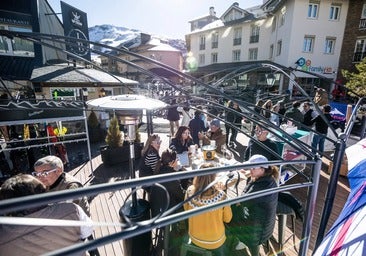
129	110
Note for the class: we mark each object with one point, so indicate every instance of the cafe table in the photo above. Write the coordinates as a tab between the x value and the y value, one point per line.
231	181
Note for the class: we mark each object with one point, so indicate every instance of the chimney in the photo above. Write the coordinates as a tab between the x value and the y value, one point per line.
212	11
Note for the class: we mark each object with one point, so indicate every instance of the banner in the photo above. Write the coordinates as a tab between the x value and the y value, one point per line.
76	26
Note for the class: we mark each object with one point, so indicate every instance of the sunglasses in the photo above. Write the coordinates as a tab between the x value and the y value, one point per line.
43	174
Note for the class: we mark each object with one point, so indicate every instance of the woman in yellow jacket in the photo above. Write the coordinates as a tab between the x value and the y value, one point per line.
207	230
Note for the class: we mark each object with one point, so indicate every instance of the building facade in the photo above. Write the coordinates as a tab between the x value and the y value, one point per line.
304	35
354	41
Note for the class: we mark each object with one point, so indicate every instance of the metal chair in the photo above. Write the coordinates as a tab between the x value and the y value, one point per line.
284	210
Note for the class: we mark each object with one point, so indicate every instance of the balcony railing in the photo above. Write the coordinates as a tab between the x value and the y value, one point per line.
254	39
214	45
237	41
358	56
202	46
362	24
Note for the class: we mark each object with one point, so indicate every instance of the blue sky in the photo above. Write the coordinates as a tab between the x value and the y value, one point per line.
161	17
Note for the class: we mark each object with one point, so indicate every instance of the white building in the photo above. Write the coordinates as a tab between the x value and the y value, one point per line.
302	34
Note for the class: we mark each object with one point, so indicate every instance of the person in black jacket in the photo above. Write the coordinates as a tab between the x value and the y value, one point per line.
253	221
196	125
308	113
259	145
233	119
159	202
173	117
182	140
321	126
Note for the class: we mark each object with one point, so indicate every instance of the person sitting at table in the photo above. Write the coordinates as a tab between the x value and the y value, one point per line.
254	220
149	159
159	201
182	140
215	133
150	156
257	146
196	125
207	230
39	240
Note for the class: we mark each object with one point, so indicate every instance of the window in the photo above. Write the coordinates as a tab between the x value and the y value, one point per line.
274	23
329	45
236	55
363	14
201	59
215	40
283	16
16	46
279	47
362	24
253	54
237	36
214	57
308	44
313	10
202	42
271	51
334	13
254	34
360	50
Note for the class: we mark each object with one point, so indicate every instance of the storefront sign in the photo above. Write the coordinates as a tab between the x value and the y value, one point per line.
76	26
305	65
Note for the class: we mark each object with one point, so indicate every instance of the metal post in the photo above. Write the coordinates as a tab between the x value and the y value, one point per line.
136	209
310	206
88	143
150	129
332	187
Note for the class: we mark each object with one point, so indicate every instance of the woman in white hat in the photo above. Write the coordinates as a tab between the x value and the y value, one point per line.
253	221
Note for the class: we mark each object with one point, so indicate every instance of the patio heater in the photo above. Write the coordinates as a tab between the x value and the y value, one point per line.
129	110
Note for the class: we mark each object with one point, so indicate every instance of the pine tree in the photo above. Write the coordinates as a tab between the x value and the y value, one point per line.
114	135
356	81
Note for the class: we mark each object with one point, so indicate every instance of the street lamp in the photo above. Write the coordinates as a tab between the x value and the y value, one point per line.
270	81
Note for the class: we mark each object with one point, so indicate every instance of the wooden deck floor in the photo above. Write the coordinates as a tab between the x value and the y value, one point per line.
105	207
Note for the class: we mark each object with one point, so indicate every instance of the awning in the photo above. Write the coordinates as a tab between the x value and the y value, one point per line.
76	76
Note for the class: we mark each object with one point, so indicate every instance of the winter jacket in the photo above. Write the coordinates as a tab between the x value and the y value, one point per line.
255	148
207	230
178	147
294	114
320	125
217	136
158	198
67	181
148	162
37	240
173	114
253	221
196	125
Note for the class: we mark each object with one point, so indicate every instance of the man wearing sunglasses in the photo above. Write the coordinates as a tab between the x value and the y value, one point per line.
50	171
258	146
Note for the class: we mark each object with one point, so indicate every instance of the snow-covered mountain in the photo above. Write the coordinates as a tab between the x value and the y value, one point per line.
118	36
